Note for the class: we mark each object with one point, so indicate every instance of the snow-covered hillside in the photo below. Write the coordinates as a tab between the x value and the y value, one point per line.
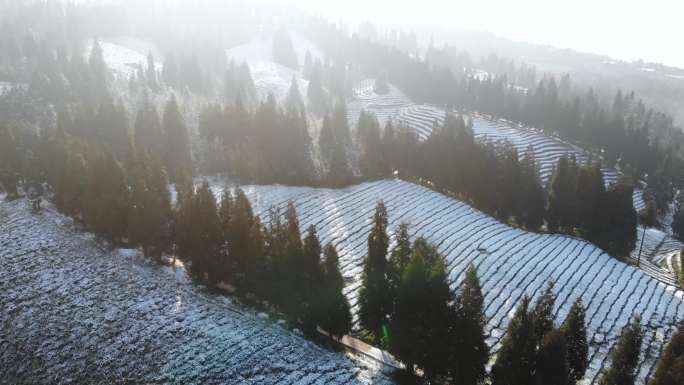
271	77
124	55
510	262
73	312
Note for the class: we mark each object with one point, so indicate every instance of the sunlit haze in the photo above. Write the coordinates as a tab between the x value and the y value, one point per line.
626	30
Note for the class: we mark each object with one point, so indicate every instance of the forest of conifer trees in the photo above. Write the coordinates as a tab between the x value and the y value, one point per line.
133	173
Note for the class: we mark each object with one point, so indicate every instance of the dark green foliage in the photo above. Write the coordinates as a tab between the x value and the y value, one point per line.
372	162
543	313
620	217
200	233
148	134
339	174
562	205
69	180
340	123
531	197
374	295
678	223
400	256
294	101
283	51
625	356
575	332
269	145
113	129
326	142
243	233
552	363
9	161
308	280
516	360
150	208
239	86
334	309
317	97
177	141
420	325
670	370
470	352
99	81
590	194
106	201
648	216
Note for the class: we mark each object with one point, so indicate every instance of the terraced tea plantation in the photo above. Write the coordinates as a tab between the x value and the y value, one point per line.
547	149
510	262
74	313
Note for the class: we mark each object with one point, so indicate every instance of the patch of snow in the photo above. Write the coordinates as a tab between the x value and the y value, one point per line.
82	313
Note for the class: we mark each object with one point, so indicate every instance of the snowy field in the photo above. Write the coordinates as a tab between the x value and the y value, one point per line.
73	313
271	77
385	106
124	55
510	262
8	86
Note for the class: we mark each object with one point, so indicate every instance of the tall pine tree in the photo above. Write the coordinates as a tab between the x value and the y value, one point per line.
575	331
625	356
516	360
374	295
670	370
470	351
177	140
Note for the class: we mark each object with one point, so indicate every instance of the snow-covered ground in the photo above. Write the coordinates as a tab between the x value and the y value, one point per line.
124	55
271	77
74	312
8	86
510	262
385	106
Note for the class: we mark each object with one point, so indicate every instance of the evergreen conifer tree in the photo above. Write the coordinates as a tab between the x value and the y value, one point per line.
670	370
177	140
308	280
206	236
374	296
421	321
315	94
552	363
372	163
470	352
543	313
335	311
293	100
105	203
326	142
400	255
341	124
9	162
625	356
516	360
148	131
562	199
575	332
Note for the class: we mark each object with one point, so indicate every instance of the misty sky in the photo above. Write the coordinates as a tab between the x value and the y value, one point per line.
624	29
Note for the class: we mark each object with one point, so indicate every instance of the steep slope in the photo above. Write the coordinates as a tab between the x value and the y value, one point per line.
72	312
510	262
